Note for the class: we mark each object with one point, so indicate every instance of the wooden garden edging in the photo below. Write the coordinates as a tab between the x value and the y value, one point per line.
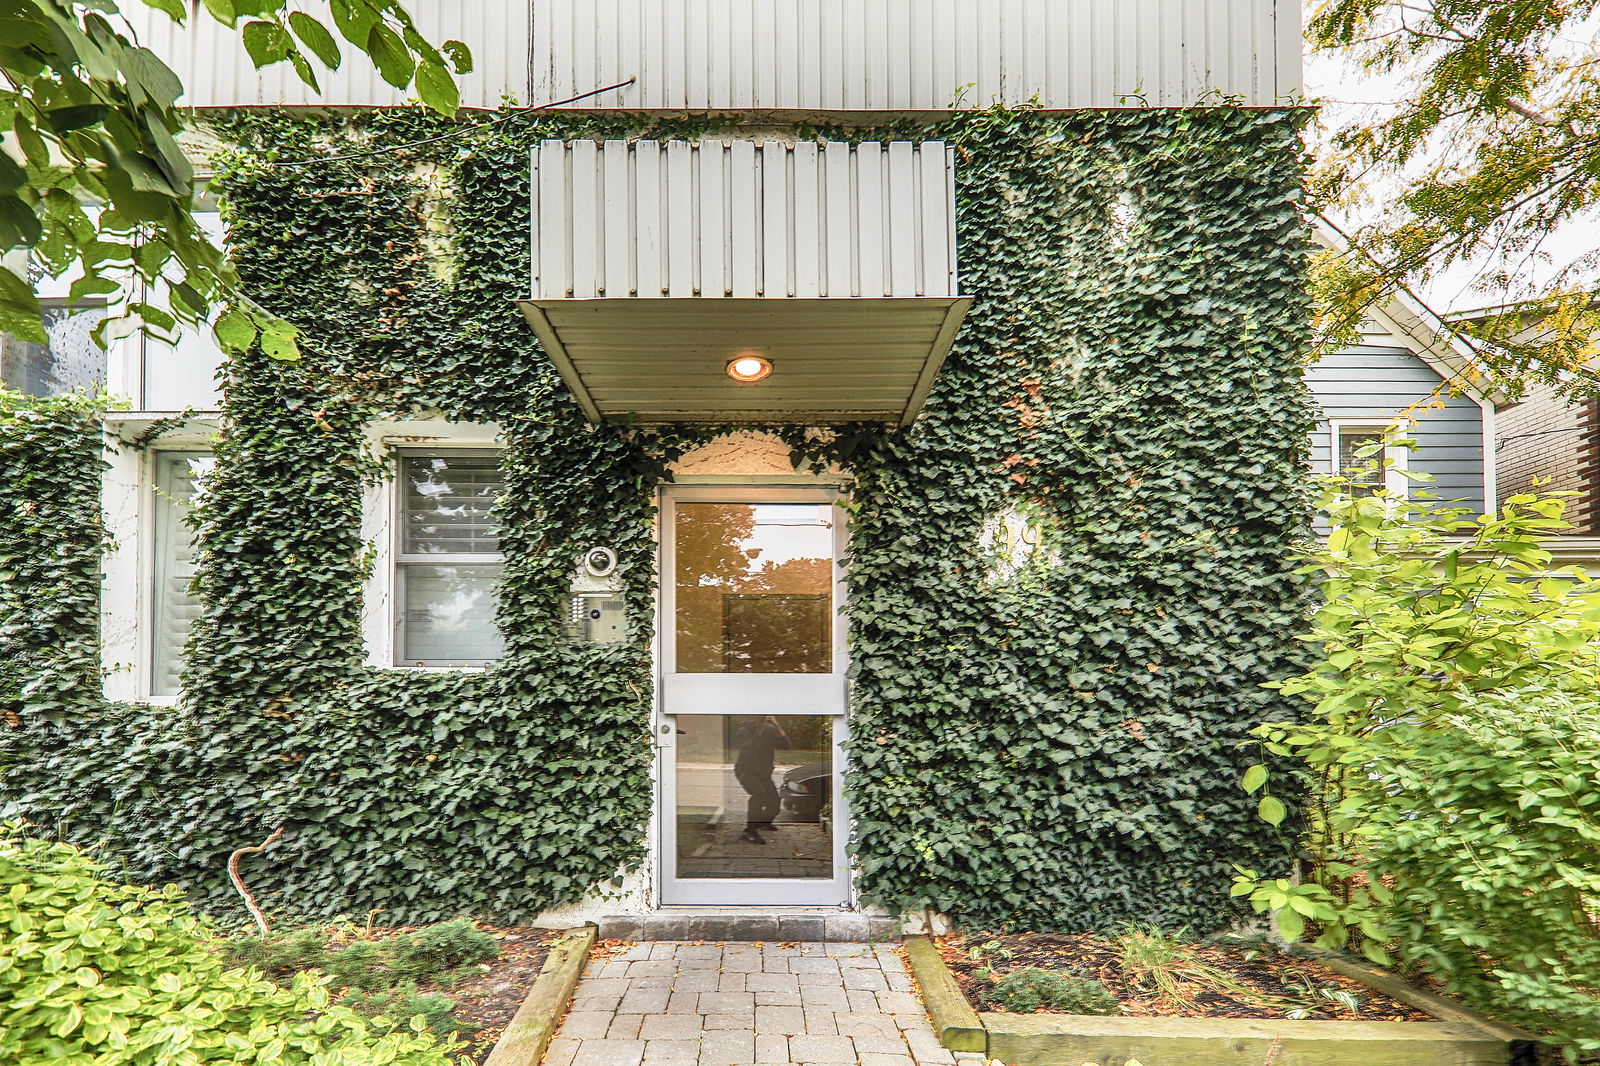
525	1039
1459	1038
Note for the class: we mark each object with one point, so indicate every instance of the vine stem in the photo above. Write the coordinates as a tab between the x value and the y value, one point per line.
238	882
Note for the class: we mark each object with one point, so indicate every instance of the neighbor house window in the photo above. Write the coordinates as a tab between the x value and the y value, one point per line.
179	479
69	361
1366	474
447	569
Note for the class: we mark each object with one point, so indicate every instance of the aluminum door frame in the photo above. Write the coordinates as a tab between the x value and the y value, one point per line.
785	694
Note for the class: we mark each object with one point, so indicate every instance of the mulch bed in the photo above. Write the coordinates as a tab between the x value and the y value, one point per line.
488	1001
1280	981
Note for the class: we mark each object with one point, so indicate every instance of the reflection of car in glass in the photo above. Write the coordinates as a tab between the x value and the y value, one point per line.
805	789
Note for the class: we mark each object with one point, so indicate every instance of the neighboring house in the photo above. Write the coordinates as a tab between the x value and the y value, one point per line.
780	481
1407	373
1549	441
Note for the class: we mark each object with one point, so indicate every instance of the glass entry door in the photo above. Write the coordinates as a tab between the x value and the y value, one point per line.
752	698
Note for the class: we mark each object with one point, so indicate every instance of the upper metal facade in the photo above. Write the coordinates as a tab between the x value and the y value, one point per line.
217	72
916	55
801	55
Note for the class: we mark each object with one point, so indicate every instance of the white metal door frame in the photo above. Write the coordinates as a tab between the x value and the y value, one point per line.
776	694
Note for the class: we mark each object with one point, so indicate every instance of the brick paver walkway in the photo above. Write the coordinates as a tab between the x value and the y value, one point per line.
678	1004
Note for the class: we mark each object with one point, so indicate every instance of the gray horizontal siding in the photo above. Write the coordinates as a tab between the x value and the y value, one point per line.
1374	384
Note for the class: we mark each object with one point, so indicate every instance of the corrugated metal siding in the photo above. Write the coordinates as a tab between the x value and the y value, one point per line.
742	218
915	55
808	55
216	71
1373	384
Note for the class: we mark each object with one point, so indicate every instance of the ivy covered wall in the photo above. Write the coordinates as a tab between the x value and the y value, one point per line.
1051	745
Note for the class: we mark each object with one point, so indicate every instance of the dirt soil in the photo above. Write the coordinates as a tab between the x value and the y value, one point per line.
488	1001
1278	983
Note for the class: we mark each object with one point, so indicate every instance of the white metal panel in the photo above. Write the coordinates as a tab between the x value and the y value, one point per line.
899	55
743	218
216	71
811	55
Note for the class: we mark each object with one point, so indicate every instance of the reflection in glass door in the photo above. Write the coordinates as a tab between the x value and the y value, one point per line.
752	698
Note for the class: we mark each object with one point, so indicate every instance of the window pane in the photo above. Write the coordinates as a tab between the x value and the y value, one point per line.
754	588
179	479
754	795
446	504
70	361
1362	481
449	613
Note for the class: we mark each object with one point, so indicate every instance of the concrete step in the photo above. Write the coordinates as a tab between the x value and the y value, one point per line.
814	927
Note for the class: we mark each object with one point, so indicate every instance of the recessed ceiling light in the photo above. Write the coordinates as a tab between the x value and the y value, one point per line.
749	367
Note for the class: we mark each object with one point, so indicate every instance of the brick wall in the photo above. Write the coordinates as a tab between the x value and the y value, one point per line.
1547	437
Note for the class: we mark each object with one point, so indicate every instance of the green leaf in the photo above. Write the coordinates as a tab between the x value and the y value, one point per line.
145	68
177	10
1271	810
438	89
460	56
12	175
76	117
222	10
1290	924
1255	777
389	53
315	36
234	330
267	43
279	339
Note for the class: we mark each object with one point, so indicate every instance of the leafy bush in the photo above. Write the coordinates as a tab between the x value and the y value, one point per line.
1031	989
432	953
1450	755
405	1002
91	970
435	948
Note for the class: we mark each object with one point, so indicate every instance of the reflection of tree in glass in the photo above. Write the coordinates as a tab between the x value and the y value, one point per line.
449	505
738	612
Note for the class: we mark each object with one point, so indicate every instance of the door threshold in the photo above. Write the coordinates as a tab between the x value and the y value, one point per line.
752	924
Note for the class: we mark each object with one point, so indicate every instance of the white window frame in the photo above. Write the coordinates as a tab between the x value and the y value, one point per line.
1394	457
397	559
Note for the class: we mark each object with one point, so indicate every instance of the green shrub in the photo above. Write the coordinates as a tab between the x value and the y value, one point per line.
404	1003
358	965
118	975
1449	750
1025	991
436	948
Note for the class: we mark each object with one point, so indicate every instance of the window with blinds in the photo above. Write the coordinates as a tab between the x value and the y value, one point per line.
179	479
1363	478
447	568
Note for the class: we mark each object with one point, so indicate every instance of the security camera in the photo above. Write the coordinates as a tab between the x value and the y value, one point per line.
599	562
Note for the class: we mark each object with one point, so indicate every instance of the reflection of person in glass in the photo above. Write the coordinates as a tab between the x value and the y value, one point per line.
758	741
